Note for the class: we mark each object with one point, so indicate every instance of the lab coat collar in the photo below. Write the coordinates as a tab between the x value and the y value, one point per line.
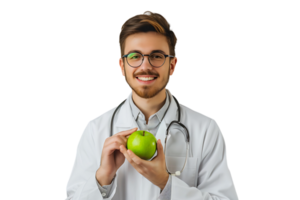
159	114
127	122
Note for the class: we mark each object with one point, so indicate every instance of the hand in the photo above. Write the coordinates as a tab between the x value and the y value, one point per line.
112	158
154	170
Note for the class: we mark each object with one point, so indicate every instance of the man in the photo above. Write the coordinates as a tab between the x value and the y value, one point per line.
105	169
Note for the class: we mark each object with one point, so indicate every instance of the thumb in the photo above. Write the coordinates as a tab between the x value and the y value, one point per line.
160	150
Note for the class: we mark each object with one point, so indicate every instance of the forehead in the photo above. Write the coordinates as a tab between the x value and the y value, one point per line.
146	42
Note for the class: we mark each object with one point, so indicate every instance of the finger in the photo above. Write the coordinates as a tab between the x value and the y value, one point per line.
119	138
125	153
122	148
136	159
127	136
128	132
157	150
160	150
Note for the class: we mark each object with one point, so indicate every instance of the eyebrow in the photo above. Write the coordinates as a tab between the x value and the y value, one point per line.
154	51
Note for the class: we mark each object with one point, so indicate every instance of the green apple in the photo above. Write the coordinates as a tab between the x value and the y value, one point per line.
142	143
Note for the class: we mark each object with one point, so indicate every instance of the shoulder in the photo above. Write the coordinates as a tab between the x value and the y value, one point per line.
195	116
204	130
200	122
102	120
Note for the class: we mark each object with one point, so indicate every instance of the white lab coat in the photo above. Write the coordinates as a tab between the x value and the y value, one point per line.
205	176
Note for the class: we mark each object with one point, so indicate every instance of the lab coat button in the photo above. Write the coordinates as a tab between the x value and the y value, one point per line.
103	194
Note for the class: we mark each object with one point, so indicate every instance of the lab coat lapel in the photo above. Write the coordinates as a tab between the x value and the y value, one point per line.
124	119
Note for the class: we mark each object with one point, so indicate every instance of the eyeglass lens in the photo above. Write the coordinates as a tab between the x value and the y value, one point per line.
135	59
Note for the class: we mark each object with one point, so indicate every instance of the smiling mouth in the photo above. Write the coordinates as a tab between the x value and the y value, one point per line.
150	80
146	81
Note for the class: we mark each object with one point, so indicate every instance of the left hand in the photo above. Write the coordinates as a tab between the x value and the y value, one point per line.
154	170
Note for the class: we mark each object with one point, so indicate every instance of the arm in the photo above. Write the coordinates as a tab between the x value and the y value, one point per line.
106	184
82	184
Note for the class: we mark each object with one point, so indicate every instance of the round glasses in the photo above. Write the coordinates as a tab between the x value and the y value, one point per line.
156	59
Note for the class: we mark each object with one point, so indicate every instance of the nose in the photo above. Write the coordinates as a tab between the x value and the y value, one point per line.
146	64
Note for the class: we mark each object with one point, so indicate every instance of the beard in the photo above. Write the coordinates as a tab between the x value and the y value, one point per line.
145	91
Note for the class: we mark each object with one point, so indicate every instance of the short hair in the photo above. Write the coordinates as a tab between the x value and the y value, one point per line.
148	22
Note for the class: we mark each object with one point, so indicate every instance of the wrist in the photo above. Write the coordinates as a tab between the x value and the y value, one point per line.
164	182
104	178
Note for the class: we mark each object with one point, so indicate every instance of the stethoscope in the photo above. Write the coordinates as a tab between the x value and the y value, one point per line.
187	136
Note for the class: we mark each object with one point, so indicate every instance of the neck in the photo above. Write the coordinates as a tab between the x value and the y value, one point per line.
150	106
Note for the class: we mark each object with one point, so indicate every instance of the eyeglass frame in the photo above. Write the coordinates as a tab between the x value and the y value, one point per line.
126	55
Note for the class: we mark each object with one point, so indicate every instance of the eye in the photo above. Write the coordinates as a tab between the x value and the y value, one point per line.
134	56
157	56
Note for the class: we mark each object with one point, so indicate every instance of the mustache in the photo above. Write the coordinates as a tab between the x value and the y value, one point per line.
146	73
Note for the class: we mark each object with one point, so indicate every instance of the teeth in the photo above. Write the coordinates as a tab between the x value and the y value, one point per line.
146	78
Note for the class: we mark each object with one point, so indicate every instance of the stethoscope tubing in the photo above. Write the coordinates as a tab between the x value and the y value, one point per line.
187	136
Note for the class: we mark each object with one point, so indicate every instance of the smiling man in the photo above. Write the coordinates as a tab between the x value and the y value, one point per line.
147	75
191	165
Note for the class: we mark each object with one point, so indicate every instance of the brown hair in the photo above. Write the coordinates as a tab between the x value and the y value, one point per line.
148	22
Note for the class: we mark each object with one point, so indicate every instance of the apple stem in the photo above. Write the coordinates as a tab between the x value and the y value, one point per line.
144	133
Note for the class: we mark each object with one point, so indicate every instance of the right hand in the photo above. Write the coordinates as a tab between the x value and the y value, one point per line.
112	158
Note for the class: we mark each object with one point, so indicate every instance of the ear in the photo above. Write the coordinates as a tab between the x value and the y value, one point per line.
177	61
172	65
121	63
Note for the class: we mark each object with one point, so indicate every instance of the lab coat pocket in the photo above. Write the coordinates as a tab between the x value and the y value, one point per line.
189	173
